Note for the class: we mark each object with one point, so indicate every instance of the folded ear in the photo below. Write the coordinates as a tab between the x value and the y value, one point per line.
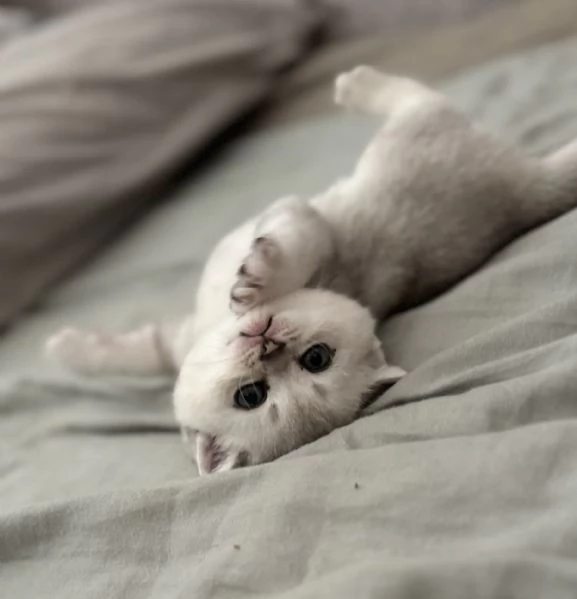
389	374
207	454
210	457
385	377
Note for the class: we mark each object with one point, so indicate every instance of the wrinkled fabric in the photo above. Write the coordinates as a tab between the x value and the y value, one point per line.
468	490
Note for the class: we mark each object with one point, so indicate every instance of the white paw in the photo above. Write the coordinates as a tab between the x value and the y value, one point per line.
77	350
354	89
256	276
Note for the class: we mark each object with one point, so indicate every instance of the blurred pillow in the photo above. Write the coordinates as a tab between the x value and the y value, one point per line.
51	7
98	108
13	22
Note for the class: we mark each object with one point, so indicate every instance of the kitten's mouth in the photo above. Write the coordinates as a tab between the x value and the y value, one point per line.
270	348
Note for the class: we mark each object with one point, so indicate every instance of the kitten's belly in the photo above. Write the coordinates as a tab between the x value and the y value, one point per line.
368	228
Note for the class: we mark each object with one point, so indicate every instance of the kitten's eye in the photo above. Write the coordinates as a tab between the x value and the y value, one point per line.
251	396
317	358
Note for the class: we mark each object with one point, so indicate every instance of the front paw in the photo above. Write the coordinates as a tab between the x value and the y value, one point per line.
77	350
256	276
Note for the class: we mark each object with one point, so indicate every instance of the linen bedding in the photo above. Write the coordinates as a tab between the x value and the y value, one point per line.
468	488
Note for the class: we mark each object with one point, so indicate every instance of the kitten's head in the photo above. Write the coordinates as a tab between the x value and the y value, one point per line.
278	377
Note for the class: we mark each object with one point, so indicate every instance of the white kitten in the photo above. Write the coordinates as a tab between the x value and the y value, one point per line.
430	199
278	377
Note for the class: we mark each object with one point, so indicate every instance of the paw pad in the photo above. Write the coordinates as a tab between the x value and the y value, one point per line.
255	274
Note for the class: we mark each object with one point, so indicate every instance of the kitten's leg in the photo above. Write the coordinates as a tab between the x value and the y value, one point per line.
292	244
368	91
146	351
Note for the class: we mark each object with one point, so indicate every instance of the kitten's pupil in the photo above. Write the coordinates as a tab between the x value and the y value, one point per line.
317	358
251	396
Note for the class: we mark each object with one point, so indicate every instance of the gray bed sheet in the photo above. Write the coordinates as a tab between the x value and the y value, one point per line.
470	490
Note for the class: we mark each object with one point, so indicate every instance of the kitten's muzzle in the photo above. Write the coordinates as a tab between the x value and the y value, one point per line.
270	347
257	329
257	333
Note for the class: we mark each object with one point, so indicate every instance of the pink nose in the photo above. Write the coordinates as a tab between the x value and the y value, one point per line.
254	334
256	328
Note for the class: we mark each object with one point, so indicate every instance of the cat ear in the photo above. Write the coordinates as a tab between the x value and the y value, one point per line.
390	374
208	455
385	373
385	377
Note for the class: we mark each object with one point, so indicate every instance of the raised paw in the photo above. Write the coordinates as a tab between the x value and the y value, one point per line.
356	89
78	350
256	277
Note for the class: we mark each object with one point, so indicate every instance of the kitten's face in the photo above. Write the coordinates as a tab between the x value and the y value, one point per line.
278	377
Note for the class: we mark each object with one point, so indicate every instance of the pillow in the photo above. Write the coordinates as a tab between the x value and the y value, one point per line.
13	22
98	109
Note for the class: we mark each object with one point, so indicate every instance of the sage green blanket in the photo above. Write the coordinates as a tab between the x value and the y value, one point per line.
469	490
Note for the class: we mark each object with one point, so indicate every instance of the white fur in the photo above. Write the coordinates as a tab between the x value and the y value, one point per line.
430	200
300	406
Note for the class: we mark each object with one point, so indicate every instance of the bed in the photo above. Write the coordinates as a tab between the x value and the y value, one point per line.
460	482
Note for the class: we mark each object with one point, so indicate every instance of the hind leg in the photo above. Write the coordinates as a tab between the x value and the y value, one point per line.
368	91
